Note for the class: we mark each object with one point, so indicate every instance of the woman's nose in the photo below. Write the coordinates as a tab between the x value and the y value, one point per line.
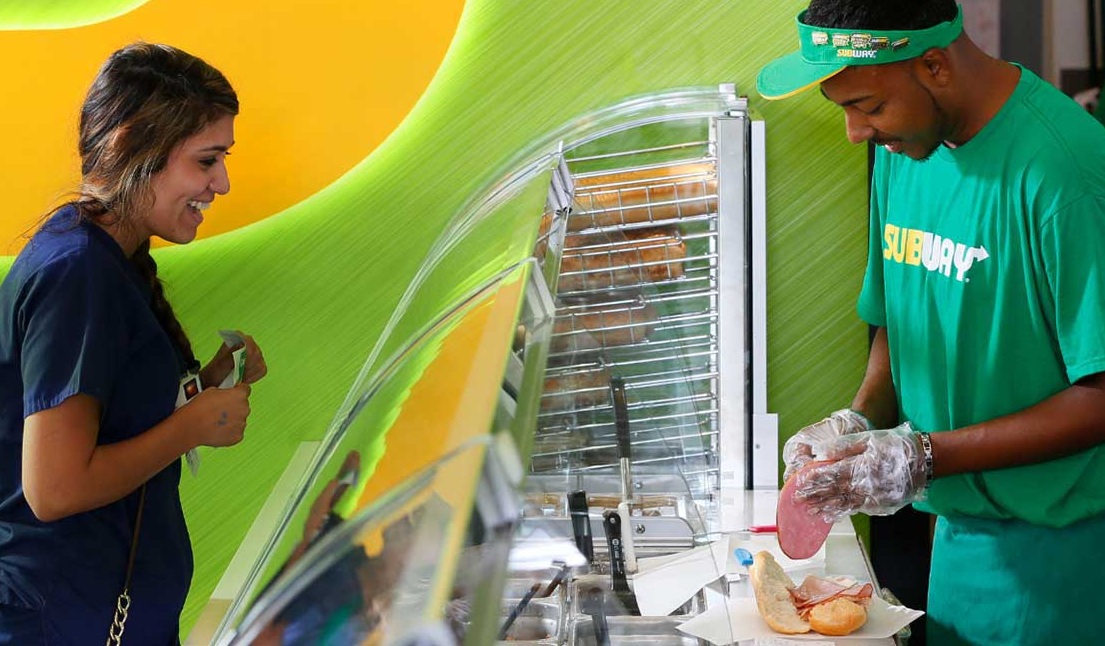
220	182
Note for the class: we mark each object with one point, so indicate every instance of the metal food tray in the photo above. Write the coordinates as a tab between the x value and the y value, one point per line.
650	631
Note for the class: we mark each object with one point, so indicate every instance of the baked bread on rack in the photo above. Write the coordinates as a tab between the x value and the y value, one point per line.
589	328
580	387
650	194
623	259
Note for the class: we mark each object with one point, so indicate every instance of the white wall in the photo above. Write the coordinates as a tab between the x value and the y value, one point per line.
1066	39
982	20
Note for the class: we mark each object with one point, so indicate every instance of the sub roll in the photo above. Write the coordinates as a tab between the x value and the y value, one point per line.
652	194
634	258
593	328
828	606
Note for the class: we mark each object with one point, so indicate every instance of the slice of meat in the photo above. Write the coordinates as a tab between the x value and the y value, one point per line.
816	590
801	533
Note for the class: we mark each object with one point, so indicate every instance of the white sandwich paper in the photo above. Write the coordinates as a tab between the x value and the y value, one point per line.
739	620
664	583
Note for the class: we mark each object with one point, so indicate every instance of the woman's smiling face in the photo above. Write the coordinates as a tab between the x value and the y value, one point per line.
194	173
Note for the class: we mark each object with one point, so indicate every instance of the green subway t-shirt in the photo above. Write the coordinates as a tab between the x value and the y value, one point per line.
987	267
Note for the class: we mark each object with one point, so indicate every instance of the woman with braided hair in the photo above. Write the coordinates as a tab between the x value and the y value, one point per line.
92	359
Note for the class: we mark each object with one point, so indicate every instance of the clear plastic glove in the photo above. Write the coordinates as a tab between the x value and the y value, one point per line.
799	448
873	472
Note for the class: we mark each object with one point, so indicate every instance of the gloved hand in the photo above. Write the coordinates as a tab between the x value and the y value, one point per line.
872	472
799	448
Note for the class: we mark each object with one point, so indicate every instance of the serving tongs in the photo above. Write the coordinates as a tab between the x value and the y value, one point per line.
625	466
518	610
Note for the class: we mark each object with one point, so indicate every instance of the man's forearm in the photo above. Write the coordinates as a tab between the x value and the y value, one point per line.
876	399
1068	422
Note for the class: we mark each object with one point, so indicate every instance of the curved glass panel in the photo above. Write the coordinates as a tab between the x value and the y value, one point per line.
424	405
502	226
379	576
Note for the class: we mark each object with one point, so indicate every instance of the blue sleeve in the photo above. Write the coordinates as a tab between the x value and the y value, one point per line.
73	331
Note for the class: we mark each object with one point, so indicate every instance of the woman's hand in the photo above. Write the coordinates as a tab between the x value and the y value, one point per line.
217	416
223	362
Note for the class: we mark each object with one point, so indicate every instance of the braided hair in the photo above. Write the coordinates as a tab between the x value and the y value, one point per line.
145	100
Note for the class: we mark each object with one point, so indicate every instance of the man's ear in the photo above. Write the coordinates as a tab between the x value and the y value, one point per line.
934	66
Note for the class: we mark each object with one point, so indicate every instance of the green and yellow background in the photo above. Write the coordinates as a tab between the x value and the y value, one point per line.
365	127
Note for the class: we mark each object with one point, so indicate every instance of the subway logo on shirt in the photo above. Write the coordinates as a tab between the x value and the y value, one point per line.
930	251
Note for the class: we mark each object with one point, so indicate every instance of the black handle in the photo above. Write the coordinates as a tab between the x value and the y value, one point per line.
594	604
621	415
581	524
612	526
558	579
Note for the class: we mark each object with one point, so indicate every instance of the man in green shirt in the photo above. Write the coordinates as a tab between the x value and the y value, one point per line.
986	282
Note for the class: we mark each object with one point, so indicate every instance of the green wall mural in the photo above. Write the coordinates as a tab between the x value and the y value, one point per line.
61	14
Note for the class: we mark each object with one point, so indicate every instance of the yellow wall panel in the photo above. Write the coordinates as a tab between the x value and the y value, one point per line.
321	85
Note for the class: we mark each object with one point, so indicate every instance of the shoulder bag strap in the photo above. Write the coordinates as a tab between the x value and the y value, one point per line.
122	604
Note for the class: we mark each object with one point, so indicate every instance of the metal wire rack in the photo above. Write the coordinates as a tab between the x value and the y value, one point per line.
638	292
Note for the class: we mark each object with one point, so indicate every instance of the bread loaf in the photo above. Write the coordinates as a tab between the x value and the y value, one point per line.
644	503
644	195
824	605
837	617
576	389
592	328
634	258
771	586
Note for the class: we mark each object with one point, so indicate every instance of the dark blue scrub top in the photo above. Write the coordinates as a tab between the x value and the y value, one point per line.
75	317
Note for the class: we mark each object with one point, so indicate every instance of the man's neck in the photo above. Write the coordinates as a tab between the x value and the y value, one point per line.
985	84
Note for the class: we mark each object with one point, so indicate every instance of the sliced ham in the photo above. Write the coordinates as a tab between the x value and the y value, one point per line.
816	590
801	533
